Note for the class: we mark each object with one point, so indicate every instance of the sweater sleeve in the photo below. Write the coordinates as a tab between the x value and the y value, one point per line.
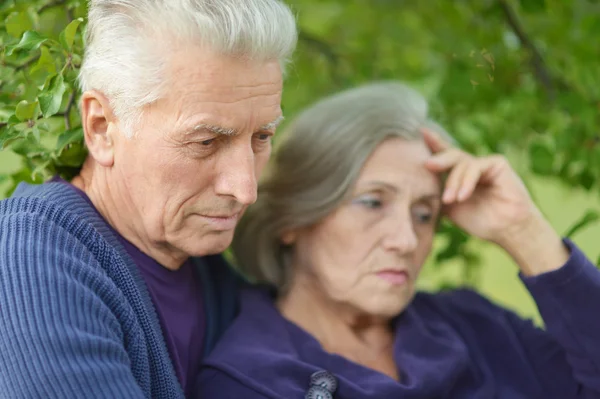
569	349
59	337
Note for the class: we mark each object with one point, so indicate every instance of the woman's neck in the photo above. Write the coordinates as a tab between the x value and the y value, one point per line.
341	329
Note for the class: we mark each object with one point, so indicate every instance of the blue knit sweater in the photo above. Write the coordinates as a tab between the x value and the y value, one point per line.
76	319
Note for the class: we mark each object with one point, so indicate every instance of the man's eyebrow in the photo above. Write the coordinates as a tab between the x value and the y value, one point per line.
274	124
225	131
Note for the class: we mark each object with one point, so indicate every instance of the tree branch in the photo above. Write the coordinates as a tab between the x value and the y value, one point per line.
56	4
70	104
323	47
540	70
25	65
50	5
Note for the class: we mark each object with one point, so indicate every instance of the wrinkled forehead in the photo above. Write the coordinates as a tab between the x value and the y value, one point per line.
400	164
219	94
201	68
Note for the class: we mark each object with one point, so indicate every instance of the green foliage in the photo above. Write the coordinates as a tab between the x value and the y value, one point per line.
41	46
499	74
588	218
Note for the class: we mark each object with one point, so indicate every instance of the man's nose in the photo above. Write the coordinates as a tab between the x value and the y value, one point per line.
237	174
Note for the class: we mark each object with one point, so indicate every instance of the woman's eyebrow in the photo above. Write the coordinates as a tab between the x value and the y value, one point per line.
382	184
433	196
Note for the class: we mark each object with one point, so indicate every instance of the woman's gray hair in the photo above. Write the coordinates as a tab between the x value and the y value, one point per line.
128	42
315	166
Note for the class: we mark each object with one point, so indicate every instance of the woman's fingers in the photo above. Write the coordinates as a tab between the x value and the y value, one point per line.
470	180
446	160
465	171
434	142
454	182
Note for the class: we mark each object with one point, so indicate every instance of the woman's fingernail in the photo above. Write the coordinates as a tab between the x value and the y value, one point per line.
448	195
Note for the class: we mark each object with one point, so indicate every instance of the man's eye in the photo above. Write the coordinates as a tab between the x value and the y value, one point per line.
207	142
263	136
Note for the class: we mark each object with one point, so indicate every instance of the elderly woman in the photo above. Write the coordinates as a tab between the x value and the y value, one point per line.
344	222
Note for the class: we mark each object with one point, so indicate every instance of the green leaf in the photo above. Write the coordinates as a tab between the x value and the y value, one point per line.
67	36
26	110
72	155
13	120
456	242
45	63
41	170
533	5
7	137
51	97
43	126
587	179
28	146
17	23
588	218
69	137
36	133
542	157
31	40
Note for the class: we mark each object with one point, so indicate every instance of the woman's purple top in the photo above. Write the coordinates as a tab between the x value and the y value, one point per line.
455	344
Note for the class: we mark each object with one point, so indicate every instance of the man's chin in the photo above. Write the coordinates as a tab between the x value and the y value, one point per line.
213	243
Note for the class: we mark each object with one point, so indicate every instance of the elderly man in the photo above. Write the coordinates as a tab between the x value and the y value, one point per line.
109	286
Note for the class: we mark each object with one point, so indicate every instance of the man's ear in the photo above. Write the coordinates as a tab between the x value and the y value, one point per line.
97	117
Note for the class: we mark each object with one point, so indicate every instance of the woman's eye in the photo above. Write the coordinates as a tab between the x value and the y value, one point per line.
424	217
371	203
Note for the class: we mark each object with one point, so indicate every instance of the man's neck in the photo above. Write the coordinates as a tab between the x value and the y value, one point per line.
124	218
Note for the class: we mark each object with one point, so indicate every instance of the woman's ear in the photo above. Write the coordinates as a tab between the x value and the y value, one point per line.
289	237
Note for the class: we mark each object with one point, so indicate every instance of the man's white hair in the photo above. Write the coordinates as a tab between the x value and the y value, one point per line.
128	43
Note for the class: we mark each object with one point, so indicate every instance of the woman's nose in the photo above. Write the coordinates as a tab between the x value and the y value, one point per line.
402	237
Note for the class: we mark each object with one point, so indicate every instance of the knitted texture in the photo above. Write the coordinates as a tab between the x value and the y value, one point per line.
76	319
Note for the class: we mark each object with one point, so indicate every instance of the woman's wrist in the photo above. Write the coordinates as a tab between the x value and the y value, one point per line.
535	246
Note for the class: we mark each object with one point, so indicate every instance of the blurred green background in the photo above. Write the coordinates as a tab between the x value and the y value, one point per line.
518	77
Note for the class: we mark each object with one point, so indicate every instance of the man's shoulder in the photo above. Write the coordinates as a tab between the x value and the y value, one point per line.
47	206
52	225
44	199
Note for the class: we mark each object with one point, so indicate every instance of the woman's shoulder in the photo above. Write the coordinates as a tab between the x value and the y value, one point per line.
215	383
258	354
458	296
464	304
